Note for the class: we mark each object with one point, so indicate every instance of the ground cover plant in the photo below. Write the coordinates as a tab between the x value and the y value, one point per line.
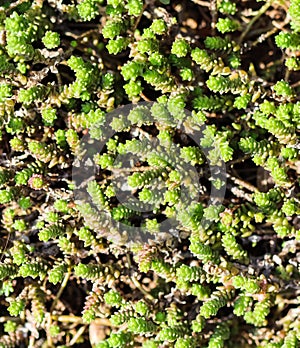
149	173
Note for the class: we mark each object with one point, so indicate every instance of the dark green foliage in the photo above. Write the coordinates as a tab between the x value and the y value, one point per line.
87	9
140	325
33	269
294	11
51	39
88	271
258	316
221	334
7	270
203	252
57	273
166	224
226	25
217	300
50	232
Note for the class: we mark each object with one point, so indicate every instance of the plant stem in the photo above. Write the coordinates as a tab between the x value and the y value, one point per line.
61	289
261	11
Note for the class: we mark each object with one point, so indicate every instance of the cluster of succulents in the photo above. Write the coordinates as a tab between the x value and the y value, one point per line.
191	111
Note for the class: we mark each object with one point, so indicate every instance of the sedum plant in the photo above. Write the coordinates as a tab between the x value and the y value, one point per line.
149	174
